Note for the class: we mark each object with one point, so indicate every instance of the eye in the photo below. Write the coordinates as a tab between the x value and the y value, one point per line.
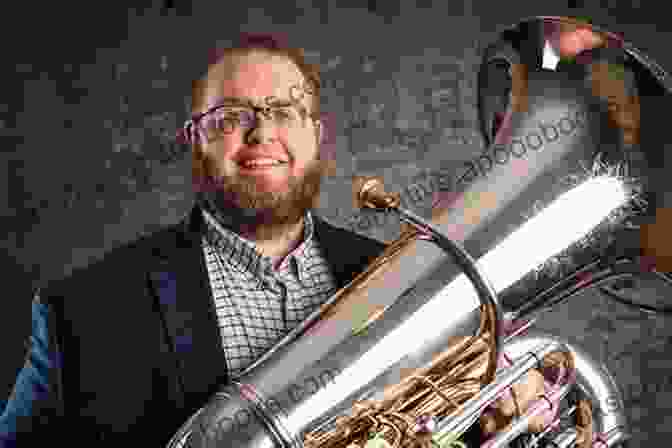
223	121
220	122
285	114
233	114
228	118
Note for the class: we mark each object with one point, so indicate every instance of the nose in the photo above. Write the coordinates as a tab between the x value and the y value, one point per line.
263	132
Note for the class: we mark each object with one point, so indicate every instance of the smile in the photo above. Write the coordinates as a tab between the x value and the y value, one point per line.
260	164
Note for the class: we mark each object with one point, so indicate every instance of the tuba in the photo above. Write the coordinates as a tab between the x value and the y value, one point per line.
447	310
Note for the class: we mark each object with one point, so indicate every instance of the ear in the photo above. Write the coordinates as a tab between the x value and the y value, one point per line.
325	151
319	131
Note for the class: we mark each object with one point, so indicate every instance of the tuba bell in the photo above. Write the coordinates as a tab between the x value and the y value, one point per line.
447	310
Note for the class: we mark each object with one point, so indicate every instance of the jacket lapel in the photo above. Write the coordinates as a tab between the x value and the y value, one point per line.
180	282
347	253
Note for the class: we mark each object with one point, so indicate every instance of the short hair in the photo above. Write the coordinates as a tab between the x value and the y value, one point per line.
272	44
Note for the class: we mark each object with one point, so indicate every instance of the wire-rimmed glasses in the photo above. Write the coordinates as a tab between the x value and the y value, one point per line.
226	119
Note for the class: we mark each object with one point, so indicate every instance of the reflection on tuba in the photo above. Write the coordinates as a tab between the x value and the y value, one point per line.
439	344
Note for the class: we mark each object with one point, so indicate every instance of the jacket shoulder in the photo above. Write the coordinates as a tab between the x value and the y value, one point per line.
122	260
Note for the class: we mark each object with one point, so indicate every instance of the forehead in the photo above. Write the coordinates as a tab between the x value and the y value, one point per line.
252	76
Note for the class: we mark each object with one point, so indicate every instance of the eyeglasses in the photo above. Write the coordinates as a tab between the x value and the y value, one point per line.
225	120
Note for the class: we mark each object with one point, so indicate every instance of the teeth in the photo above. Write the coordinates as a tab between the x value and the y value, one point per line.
261	162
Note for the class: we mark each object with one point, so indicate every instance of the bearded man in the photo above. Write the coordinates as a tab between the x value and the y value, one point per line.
125	350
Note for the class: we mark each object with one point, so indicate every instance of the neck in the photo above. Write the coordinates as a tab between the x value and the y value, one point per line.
277	243
272	237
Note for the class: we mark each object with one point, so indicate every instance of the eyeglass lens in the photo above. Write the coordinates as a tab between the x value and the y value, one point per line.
226	120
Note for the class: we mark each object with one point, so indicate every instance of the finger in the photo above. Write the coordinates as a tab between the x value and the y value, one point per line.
545	416
496	422
526	391
584	420
537	424
492	422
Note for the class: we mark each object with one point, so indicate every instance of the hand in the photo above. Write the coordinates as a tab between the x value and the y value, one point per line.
608	82
570	39
527	391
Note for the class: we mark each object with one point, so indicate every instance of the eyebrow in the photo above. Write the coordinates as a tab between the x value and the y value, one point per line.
233	101
228	101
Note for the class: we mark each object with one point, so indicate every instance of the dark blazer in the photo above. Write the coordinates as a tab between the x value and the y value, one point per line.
136	336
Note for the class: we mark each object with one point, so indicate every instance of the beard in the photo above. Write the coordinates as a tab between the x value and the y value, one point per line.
240	205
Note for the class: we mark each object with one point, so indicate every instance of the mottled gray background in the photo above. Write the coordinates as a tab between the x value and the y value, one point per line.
93	96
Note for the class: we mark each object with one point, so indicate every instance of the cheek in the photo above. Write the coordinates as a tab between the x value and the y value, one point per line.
222	149
301	146
308	162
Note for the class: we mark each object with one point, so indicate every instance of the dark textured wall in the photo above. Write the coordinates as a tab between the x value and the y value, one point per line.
92	100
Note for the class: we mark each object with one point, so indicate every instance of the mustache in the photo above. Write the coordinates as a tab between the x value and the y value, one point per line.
207	178
243	192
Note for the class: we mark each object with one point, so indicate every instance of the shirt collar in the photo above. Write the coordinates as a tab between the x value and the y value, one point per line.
243	253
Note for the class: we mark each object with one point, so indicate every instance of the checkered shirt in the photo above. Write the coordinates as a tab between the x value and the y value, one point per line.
257	305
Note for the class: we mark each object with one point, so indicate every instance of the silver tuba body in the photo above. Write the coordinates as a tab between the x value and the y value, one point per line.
429	311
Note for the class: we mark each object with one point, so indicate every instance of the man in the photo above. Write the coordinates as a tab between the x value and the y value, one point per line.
125	350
